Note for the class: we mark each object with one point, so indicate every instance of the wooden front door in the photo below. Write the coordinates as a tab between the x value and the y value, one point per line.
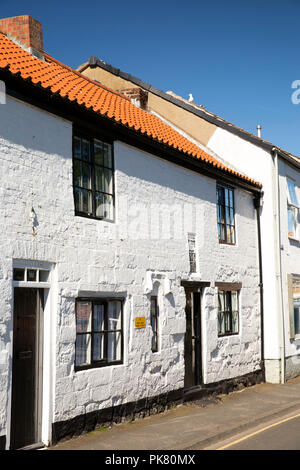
26	371
192	343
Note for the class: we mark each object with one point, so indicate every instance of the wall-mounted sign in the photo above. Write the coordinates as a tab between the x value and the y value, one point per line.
140	322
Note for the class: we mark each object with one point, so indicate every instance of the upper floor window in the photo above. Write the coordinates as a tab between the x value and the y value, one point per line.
93	178
225	214
292	208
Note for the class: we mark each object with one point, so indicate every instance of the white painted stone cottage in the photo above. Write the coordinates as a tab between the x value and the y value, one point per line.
279	173
124	286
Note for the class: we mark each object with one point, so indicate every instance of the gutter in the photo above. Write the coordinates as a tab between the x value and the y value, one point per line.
279	263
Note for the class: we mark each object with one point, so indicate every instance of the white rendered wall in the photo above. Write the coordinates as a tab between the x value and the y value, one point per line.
98	258
290	256
256	163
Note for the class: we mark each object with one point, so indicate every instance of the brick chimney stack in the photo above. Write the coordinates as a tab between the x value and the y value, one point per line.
26	32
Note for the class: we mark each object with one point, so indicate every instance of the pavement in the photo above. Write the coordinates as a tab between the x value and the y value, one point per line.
196	425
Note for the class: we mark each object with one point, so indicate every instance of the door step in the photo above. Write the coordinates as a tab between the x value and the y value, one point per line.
37	446
196	393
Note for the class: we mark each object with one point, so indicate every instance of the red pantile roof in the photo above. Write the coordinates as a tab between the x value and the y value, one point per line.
72	85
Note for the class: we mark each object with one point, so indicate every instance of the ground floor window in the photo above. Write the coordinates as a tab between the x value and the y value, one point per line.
295	304
228	313
99	332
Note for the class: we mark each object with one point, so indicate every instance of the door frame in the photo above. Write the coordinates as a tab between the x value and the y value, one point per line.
48	338
197	287
36	313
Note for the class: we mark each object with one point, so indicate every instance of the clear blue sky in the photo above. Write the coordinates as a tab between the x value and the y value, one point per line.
237	57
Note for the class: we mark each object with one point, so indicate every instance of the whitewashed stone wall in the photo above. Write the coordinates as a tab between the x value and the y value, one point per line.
92	257
258	164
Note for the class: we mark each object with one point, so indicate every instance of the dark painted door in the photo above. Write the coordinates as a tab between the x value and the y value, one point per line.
26	364
192	344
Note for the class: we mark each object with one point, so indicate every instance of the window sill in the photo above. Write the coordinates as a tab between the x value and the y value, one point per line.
226	243
87	216
97	366
228	334
293	239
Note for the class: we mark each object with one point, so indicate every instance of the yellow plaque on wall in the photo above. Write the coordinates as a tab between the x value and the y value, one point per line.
140	322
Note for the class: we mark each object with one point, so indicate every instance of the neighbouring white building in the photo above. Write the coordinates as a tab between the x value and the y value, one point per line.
279	173
129	260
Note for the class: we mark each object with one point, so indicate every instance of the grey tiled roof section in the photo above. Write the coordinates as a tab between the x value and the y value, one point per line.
202	113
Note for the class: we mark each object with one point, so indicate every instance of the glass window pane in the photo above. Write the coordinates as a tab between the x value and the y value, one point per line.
31	275
234	300
99	204
221	197
107	181
107	160
154	314
77	147
291	222
154	343
77	172
221	323
18	274
222	214
114	315
99	178
44	275
221	304
85	150
83	200
228	233
104	206
226	197
227	316
83	317
231	198
98	152
103	179
114	341
85	175
82	174
235	322
222	232
98	347
99	312
83	350
292	192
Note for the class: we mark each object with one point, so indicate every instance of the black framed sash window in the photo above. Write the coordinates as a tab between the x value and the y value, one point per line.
228	313
226	215
99	333
93	178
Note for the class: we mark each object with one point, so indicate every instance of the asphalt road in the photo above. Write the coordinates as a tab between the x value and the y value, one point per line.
284	434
